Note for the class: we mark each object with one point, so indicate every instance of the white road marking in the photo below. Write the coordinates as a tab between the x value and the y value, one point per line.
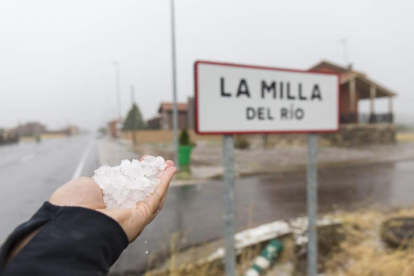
27	158
82	161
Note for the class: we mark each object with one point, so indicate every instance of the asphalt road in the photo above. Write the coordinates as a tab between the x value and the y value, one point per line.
30	172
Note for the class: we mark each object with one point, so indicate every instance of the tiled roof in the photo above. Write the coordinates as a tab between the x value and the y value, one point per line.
169	107
348	74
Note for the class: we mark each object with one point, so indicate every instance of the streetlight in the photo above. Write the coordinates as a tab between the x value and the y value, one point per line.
118	96
174	77
134	123
118	88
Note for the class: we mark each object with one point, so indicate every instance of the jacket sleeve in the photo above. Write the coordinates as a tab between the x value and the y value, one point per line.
71	241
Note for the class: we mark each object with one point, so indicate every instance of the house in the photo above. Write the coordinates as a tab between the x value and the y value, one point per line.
164	119
114	127
71	130
154	123
166	112
8	137
356	86
29	129
190	112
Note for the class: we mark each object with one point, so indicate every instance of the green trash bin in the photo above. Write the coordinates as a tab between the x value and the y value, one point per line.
184	155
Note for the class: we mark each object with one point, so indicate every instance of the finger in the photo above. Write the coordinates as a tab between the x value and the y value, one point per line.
154	200
162	202
169	163
142	157
165	178
168	178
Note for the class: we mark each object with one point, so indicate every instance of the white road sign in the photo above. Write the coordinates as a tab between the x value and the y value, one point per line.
235	99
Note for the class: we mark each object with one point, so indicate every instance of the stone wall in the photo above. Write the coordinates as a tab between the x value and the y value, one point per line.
276	140
362	134
348	135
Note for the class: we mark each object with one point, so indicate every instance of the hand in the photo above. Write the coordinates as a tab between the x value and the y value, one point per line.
84	192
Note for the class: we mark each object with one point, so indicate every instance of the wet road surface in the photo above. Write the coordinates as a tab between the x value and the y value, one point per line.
196	211
30	172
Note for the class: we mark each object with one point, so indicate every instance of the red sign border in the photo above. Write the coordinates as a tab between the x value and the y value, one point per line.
261	68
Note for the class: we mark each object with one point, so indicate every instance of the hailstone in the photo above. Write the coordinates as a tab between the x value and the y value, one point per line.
130	182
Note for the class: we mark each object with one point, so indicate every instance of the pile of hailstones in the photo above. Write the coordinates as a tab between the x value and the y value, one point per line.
125	185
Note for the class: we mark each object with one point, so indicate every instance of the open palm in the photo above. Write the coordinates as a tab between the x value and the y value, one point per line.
84	192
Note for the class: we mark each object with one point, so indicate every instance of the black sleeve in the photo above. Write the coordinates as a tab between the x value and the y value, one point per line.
71	241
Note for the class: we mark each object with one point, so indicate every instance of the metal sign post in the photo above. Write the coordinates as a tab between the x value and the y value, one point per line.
174	80
312	204
229	204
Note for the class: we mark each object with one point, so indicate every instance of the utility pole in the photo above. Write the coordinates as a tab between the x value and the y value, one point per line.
174	79
132	94
134	122
118	90
344	43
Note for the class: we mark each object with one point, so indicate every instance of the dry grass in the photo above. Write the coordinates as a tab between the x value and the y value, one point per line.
363	254
403	137
44	136
185	264
216	268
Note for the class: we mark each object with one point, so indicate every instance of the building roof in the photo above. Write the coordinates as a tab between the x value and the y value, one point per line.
154	119
168	106
328	66
348	73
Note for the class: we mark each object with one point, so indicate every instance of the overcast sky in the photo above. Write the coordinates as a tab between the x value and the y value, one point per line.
55	56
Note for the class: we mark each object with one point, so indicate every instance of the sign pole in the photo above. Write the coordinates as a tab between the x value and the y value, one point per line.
174	80
312	204
229	205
